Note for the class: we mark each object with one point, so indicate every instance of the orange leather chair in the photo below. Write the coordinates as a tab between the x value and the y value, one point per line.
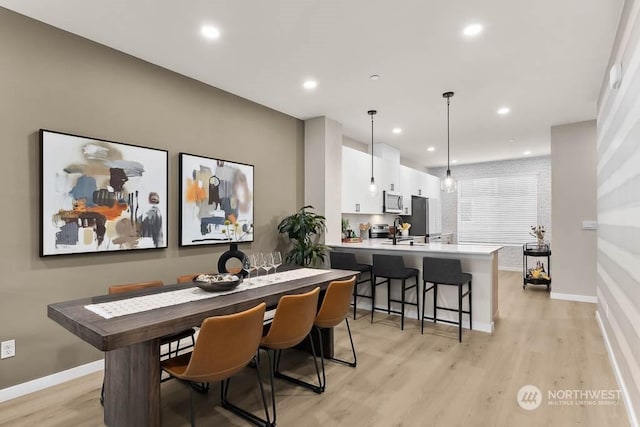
226	345
187	278
333	311
292	322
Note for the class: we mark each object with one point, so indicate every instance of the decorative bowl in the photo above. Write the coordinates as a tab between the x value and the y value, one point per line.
217	282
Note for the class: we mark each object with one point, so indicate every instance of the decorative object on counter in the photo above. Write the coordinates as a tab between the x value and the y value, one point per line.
364	230
217	282
448	184
539	274
404	228
347	232
538	231
233	255
373	188
304	229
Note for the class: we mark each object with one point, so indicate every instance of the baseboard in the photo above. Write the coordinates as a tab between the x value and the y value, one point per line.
506	268
633	419
50	380
574	297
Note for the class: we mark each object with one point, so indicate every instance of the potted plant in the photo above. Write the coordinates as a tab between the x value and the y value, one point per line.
304	229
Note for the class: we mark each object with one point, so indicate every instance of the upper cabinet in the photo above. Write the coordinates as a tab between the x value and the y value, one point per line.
356	177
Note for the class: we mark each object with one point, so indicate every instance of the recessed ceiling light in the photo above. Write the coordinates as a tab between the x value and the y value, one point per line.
431	149
526	153
210	32
511	141
374	76
503	110
472	30
454	161
310	84
397	130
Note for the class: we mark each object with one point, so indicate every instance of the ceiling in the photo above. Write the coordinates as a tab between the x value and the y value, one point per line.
544	59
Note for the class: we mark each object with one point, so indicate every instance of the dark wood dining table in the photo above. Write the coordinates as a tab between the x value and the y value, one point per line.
132	342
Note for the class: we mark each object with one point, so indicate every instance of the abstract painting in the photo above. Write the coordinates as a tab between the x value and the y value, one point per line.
101	196
216	201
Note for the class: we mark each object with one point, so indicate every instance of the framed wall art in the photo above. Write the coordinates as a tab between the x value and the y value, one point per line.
101	196
216	201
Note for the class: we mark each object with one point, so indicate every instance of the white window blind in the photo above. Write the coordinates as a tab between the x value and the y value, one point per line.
497	210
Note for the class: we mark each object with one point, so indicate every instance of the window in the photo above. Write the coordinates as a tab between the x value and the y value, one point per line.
497	210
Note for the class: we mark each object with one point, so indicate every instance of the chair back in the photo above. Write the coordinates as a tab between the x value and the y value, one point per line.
225	345
343	260
130	287
388	266
336	303
442	270
187	278
293	320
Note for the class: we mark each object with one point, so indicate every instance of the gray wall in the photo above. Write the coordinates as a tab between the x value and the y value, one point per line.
618	281
510	257
573	165
54	80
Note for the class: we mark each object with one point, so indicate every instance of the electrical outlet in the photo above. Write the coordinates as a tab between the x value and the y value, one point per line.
7	349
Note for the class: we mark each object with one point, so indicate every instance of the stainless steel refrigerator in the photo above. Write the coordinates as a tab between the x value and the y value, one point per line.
419	219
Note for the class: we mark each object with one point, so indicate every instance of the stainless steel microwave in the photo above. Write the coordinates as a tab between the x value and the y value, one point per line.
391	202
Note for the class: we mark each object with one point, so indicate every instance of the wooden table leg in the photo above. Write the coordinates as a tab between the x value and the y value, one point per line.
132	385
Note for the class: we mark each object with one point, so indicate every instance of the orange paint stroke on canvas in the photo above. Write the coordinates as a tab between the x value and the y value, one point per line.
110	213
194	193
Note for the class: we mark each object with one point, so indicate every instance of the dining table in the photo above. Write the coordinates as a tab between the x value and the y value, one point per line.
131	339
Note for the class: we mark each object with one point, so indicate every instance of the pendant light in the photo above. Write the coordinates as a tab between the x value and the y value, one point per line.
373	188
448	184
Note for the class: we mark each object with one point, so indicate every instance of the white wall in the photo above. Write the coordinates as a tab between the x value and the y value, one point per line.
618	169
573	189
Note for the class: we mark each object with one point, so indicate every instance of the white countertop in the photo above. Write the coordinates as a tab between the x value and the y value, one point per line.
382	244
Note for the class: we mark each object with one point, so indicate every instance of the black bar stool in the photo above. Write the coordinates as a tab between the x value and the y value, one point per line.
392	267
441	271
347	261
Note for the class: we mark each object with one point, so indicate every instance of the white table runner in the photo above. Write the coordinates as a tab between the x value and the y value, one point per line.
133	305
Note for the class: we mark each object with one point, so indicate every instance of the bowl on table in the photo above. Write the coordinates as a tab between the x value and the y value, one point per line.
217	282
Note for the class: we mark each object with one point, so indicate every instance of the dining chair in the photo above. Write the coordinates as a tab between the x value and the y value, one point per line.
188	278
166	340
347	261
292	322
333	311
226	344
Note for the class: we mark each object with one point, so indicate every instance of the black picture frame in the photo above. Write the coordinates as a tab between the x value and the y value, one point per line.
100	196
216	201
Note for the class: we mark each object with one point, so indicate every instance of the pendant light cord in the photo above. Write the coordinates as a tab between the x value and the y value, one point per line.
372	146
448	101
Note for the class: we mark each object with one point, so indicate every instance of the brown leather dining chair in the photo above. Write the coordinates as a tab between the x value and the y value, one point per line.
188	278
291	324
166	340
333	311
226	345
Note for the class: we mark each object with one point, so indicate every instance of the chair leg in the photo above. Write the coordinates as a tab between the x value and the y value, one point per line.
191	413
373	296
224	391
470	310
316	388
388	296
353	349
418	299
272	367
323	383
424	296
435	303
460	313
402	305
355	300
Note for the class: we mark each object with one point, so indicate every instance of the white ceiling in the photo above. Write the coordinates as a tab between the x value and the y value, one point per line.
545	59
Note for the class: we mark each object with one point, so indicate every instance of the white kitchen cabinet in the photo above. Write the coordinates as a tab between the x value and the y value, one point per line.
356	177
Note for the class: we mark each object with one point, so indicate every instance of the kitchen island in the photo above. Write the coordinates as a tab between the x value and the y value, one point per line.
479	260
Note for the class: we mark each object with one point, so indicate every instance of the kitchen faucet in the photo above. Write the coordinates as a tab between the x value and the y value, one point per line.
397	222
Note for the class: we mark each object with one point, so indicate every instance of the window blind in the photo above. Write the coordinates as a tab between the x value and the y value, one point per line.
497	210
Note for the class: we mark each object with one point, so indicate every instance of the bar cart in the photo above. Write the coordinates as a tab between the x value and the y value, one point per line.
538	274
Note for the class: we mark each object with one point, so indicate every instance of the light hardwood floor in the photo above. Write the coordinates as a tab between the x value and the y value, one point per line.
403	378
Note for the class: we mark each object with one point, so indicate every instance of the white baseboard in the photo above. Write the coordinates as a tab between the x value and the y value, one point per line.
633	418
50	380
507	268
573	297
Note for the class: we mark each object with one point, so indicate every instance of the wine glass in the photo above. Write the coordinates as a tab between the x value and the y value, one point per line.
259	257
277	260
268	262
248	264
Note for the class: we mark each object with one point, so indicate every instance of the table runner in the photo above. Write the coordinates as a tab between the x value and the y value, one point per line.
133	305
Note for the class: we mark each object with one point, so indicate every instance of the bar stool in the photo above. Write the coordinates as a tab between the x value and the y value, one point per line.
392	267
347	261
448	272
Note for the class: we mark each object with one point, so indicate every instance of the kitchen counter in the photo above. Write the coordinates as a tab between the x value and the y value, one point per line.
479	260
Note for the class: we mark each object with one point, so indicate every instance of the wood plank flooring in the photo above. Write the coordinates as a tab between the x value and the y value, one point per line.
403	378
